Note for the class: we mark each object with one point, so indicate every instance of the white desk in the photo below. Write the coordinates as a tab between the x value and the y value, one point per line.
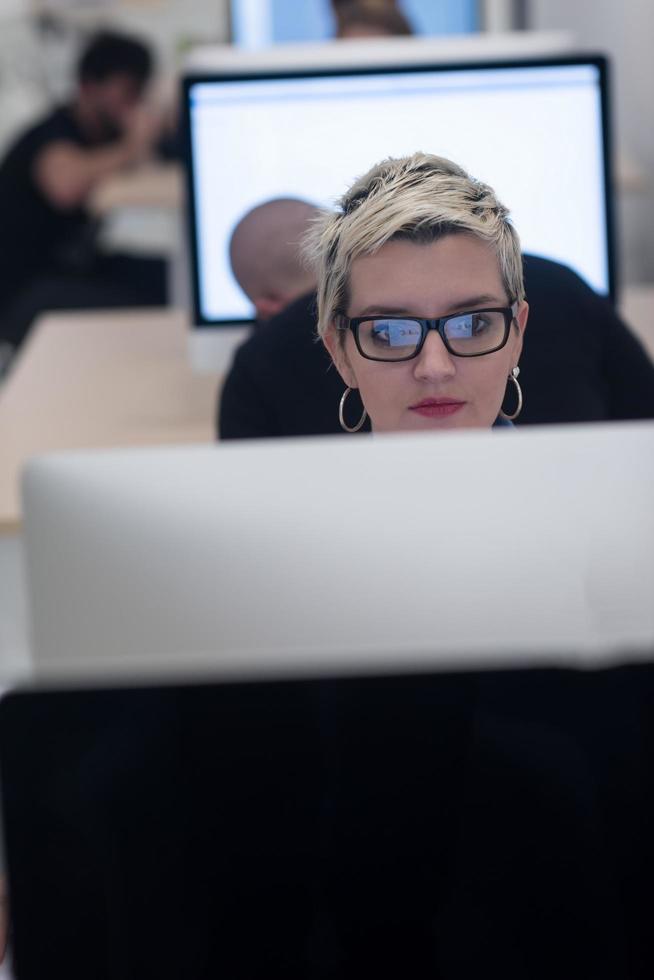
100	379
141	212
154	185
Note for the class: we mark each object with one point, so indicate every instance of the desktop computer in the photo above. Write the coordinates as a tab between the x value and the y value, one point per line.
329	708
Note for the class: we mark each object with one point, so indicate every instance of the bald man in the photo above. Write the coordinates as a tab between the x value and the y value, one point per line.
265	254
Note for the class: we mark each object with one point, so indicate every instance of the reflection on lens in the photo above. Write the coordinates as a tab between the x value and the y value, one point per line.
389	339
474	333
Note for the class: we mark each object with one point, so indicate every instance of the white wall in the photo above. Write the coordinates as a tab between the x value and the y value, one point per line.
175	23
624	29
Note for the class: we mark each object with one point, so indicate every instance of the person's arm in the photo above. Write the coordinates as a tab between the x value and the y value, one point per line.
242	412
66	173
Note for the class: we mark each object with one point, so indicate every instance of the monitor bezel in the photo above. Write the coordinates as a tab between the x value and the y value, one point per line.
598	61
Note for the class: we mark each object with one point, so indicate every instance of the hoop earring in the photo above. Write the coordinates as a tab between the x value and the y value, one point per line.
341	418
514	378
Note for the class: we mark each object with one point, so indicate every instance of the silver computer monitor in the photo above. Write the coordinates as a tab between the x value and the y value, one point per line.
455	549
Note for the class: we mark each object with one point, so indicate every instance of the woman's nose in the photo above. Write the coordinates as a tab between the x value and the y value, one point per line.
434	362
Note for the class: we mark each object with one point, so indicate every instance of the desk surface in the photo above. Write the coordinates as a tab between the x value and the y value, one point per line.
154	185
110	379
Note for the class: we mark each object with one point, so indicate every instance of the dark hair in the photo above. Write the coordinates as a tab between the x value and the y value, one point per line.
388	19
109	54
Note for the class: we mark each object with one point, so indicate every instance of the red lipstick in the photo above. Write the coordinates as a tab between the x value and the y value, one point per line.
434	408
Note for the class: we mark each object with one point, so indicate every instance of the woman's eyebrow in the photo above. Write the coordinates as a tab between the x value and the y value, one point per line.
468	302
383	308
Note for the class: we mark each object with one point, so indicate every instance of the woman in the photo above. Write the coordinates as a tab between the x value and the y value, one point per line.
421	299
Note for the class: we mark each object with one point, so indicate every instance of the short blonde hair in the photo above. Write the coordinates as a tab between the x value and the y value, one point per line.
420	198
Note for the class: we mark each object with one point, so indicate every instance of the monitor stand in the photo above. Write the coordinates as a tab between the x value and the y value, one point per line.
213	348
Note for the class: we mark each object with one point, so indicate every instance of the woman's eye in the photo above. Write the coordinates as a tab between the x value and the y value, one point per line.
480	324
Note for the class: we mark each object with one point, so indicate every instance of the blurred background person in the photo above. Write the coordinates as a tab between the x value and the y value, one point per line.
367	18
49	257
282	381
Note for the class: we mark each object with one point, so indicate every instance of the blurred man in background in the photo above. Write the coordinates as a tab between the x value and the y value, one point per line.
48	253
369	18
282	381
265	254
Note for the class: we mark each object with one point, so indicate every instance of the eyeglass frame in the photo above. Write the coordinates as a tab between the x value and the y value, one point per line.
427	324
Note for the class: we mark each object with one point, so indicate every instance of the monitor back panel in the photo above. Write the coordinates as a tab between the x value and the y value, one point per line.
473	548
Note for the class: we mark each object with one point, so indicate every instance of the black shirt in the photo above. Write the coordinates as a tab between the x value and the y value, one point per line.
35	235
580	363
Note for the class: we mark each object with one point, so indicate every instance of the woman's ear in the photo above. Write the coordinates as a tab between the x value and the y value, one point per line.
521	318
335	341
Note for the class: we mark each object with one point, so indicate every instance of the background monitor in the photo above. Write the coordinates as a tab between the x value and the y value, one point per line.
257	23
537	131
525	546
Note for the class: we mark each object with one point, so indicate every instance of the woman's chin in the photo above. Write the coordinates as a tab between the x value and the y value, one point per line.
415	422
418	422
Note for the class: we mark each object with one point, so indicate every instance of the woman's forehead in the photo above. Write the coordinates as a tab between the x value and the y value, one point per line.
405	276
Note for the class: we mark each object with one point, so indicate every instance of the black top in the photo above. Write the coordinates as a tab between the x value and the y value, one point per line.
580	363
34	234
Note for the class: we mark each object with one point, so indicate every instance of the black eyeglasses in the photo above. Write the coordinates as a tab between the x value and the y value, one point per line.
399	338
